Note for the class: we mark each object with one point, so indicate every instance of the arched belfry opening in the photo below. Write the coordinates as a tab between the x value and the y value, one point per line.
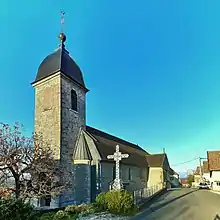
73	100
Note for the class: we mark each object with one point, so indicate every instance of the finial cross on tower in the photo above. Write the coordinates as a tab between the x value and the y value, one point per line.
62	21
62	36
117	156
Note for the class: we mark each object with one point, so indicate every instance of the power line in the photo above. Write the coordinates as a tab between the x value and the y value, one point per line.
185	162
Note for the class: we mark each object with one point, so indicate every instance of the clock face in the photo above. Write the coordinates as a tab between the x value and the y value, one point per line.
47	99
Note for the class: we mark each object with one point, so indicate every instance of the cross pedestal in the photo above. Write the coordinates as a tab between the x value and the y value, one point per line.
117	156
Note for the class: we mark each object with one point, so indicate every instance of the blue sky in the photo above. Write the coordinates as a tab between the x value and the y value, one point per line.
152	67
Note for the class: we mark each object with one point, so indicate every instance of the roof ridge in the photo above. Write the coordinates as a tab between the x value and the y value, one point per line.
116	138
156	154
213	151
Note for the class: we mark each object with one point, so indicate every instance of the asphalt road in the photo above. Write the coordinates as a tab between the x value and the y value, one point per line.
183	204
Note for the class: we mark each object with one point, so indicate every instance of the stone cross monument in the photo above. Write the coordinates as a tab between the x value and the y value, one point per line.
117	156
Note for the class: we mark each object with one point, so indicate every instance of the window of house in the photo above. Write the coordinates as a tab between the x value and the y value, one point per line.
218	183
73	100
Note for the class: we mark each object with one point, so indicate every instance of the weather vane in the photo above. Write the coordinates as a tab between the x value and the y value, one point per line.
62	13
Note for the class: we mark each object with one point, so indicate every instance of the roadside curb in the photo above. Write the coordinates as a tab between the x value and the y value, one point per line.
216	192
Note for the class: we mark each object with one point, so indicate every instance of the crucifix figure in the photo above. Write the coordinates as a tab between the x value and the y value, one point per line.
117	156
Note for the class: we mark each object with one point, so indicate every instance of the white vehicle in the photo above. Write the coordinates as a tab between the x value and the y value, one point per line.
204	186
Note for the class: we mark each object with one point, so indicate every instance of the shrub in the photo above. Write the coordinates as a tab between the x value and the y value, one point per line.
16	209
74	209
60	215
84	209
87	209
117	202
100	202
71	209
47	216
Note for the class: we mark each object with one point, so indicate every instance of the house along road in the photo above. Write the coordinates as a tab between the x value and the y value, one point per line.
183	204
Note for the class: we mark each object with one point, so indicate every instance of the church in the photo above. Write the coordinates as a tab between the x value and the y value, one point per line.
60	116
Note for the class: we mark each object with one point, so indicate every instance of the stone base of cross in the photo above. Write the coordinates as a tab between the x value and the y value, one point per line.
117	185
117	156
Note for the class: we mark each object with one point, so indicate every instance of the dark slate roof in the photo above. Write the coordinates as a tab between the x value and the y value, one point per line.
156	160
214	160
106	144
61	61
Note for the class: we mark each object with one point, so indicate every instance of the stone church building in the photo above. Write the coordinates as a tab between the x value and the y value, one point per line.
60	115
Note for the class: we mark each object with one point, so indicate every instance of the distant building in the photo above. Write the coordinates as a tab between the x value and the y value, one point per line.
206	172
214	169
197	177
175	179
159	170
184	182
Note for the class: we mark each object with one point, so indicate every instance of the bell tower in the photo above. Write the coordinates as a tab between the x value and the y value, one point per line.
60	104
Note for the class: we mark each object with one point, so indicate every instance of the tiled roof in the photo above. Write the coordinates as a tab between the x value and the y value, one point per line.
213	160
106	144
205	167
184	181
156	160
111	138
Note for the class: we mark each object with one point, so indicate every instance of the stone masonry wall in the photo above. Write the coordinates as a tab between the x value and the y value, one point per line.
71	122
47	112
59	124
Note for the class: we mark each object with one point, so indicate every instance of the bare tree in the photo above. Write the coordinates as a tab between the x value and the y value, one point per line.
28	163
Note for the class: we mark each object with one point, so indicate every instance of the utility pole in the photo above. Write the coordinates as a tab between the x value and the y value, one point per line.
200	168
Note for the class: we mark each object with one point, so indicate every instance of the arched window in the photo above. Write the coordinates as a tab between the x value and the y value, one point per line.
73	100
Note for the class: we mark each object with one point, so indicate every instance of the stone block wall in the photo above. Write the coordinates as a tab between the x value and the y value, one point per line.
71	122
58	123
47	111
